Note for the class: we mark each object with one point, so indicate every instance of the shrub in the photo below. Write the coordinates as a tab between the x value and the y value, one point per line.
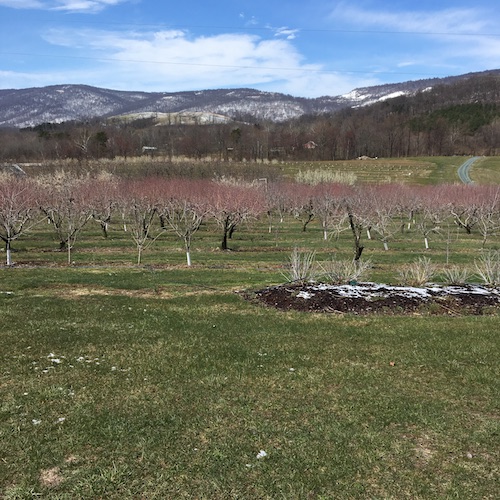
300	266
340	272
488	268
418	273
456	275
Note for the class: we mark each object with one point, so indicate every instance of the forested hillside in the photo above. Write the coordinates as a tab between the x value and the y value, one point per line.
461	118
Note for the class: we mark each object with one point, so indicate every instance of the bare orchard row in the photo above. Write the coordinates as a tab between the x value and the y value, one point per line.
148	207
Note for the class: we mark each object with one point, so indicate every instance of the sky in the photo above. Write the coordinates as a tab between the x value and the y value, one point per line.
302	48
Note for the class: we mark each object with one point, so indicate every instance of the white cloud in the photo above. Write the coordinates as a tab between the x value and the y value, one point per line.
252	21
325	84
22	4
175	60
453	40
455	21
288	33
18	79
84	5
88	6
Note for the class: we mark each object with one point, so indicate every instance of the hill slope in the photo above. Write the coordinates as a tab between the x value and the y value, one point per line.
60	103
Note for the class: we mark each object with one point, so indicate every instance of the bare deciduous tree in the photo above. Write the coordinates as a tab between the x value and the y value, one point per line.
183	208
139	201
231	205
66	203
328	206
18	211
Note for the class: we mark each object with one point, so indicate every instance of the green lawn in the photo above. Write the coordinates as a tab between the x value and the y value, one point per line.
133	392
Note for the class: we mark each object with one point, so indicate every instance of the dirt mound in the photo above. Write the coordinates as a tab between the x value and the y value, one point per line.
370	298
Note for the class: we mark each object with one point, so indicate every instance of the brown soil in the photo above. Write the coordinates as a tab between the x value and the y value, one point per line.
380	299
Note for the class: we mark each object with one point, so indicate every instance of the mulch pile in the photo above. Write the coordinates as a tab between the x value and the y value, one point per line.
371	298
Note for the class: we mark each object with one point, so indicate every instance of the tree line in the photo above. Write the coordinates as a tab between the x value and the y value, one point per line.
148	208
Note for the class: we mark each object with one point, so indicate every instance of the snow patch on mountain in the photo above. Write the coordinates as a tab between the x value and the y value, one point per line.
60	103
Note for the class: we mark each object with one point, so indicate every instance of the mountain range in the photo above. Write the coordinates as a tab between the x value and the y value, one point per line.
22	108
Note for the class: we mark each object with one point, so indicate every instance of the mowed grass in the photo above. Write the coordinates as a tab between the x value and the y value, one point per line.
161	381
130	396
486	171
416	171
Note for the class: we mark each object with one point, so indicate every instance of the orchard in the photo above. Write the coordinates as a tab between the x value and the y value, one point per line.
147	211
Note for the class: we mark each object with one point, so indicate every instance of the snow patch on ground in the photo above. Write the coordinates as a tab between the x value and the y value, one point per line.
376	290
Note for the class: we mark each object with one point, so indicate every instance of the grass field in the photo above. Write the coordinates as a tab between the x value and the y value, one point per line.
160	381
422	170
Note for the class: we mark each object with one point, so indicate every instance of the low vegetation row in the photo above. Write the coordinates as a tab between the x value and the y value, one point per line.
303	267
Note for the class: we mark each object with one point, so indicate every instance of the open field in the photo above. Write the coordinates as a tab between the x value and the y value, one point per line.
486	171
160	381
423	171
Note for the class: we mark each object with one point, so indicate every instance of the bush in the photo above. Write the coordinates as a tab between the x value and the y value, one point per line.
488	268
339	272
300	266
418	273
456	275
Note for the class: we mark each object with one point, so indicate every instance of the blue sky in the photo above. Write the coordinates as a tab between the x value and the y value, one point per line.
307	49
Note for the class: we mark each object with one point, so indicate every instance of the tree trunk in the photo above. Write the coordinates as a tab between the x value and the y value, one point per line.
226	228
187	246
104	227
8	253
223	245
356	233
358	251
306	222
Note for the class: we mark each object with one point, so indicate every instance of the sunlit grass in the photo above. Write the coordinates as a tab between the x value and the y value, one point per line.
124	396
486	171
380	170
